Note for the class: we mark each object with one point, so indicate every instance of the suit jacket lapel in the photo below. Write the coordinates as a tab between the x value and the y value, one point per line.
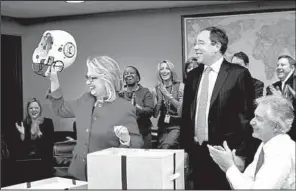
294	81
222	75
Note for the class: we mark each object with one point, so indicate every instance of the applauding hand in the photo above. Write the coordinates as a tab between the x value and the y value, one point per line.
21	128
222	156
163	90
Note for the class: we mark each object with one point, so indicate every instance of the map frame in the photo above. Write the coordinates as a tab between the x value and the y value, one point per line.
198	17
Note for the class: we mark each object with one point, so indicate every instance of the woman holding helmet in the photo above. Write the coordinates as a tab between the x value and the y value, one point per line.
96	128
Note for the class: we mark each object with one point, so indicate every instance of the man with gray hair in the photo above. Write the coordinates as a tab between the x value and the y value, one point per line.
273	166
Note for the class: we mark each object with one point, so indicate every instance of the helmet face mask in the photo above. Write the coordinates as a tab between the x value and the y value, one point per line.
56	48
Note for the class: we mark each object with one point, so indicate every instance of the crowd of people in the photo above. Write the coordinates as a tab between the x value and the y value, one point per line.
233	134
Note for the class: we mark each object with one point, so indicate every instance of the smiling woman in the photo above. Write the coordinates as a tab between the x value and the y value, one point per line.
35	142
141	98
106	119
169	98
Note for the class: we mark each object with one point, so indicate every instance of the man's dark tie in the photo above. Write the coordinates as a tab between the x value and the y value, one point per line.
201	120
259	162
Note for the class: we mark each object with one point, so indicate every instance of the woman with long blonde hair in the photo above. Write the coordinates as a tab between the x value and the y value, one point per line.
169	98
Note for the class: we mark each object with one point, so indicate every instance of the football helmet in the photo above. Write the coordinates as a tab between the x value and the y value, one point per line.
56	48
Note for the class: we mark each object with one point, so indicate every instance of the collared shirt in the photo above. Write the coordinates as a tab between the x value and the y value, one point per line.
212	80
284	82
277	171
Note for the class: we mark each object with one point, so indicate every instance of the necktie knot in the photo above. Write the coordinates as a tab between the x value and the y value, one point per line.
208	70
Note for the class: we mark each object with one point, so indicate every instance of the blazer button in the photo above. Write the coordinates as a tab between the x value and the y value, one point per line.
83	160
95	118
87	130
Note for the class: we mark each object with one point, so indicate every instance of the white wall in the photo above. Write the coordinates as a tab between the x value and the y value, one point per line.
140	38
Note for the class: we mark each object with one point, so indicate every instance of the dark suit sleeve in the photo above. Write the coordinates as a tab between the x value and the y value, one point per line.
246	113
292	132
259	89
186	127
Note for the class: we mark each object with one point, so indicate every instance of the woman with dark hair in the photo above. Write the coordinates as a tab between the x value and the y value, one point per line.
169	98
35	135
142	99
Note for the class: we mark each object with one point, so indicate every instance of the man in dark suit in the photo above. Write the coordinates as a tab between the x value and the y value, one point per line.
217	106
286	85
285	70
242	59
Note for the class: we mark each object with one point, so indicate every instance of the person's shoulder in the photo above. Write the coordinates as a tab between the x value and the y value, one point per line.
258	82
46	119
277	83
144	89
123	106
234	67
194	72
47	124
121	102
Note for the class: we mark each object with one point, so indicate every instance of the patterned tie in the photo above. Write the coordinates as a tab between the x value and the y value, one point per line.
259	162
201	120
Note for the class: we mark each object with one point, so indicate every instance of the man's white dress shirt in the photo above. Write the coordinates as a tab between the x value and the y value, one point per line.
212	80
277	171
284	82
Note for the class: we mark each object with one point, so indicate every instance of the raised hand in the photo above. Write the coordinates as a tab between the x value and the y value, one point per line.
52	72
21	128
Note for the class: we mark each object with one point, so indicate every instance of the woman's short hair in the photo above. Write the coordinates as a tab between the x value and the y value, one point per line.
109	71
137	72
172	69
28	119
282	111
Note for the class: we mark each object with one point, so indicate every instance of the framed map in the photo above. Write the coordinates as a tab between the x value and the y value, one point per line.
262	35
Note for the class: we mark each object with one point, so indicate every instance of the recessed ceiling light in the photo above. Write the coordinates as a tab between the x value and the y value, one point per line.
74	1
